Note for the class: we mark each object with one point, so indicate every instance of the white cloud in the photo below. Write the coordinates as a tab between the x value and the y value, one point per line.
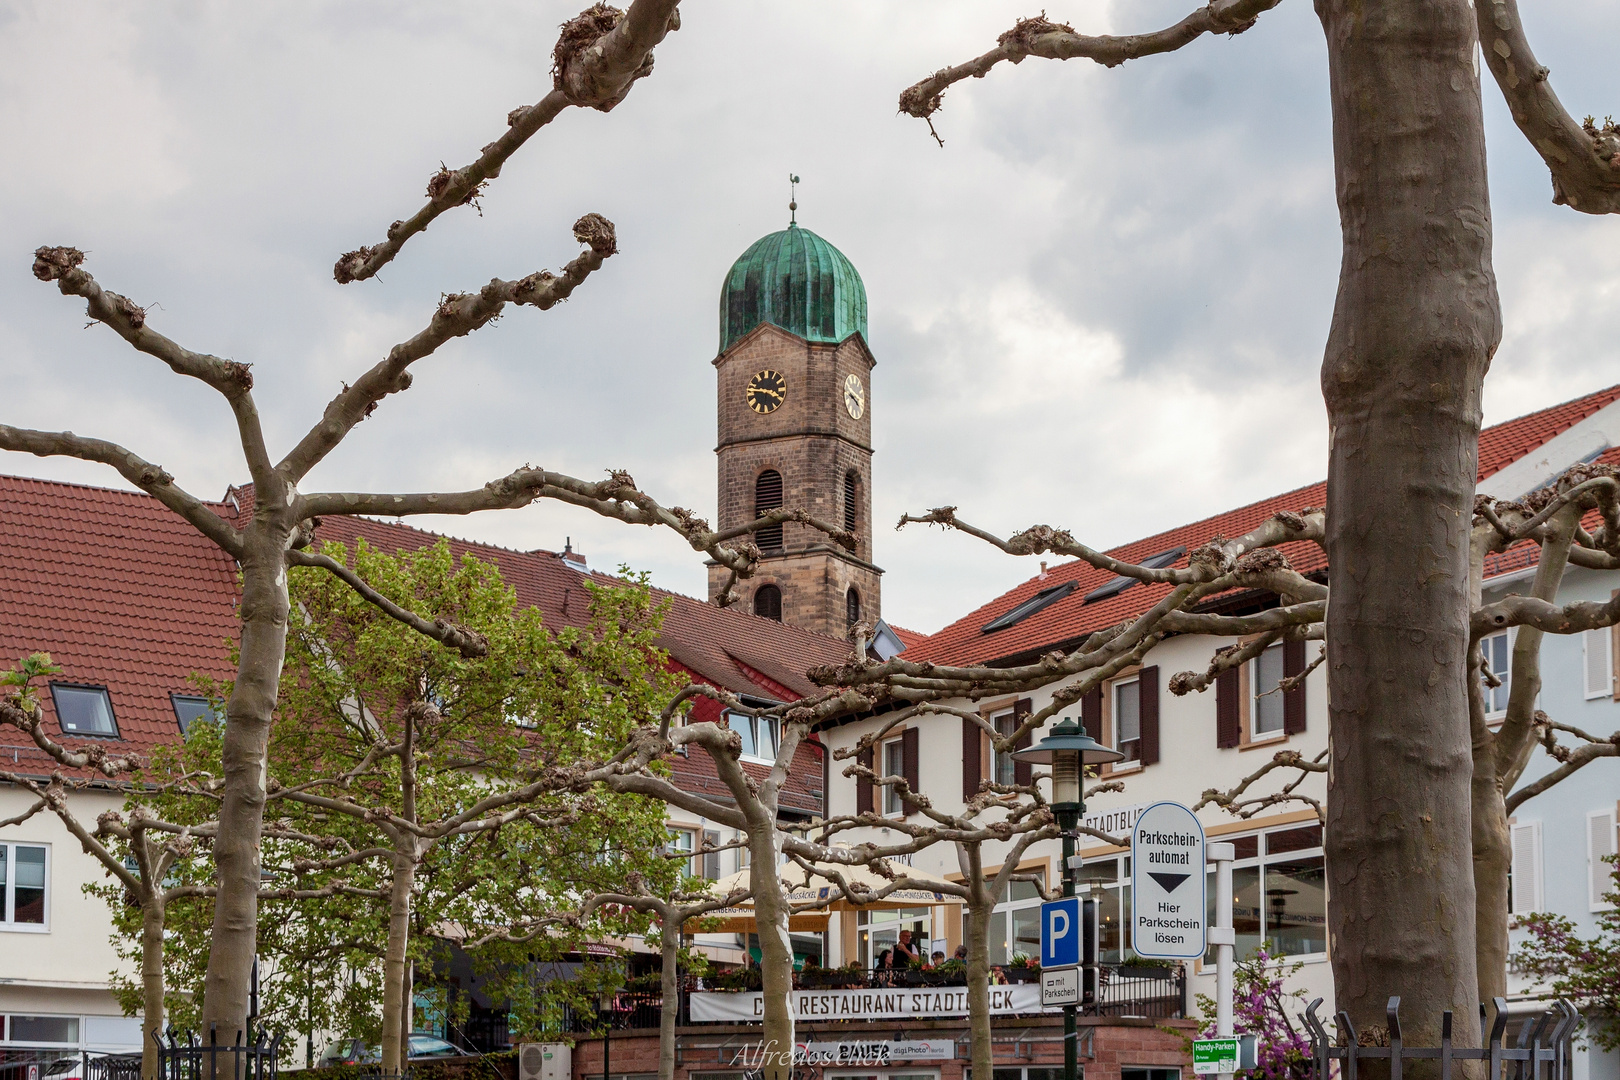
1102	304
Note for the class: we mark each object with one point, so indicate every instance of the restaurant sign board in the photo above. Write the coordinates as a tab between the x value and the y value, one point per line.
876	1003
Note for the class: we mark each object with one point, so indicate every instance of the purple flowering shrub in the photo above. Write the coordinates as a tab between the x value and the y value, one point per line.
1584	970
1260	1007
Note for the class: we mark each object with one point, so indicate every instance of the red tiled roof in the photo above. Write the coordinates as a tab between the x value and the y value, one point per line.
908	638
121	592
1070	619
125	594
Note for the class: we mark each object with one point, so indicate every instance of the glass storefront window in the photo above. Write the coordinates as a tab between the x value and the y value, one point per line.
1279	899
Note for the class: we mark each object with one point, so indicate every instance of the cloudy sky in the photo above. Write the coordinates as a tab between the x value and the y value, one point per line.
1101	305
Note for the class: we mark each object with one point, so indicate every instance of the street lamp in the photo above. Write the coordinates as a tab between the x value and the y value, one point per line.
1068	749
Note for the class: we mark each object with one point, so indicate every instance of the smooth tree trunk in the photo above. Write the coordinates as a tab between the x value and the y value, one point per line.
152	1004
244	764
1415	324
981	904
394	964
771	911
1493	856
670	1007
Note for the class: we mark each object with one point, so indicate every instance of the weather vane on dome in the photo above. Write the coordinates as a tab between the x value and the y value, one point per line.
793	199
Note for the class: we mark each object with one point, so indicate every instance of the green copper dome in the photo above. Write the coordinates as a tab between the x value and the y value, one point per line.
796	280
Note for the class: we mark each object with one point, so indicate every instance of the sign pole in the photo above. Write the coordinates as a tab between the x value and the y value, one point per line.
1222	937
1071	1052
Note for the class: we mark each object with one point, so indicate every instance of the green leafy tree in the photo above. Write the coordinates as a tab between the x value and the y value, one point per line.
1585	970
417	794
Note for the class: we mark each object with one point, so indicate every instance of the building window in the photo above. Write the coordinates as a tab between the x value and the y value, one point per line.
894	764
189	710
758	734
852	607
1599	664
1108	880
681	842
1003	768
768	602
1602	842
1266	715
1118	584
1043	599
1279	894
1128	720
1498	652
767	497
24	883
1015	924
83	710
1524	871
48	1030
852	492
1155	1073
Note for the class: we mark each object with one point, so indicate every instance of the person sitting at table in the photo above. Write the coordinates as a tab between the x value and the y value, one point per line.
937	959
883	968
961	953
998	977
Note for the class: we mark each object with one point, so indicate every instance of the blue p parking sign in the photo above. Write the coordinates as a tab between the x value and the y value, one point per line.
1060	933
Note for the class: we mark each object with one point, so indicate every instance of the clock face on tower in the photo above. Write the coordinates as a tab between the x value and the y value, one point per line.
854	396
766	391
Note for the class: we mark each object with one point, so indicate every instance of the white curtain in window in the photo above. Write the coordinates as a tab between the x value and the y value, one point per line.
1599	663
1600	843
1526	896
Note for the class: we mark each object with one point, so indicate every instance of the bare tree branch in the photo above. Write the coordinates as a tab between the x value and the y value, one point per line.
457	315
150	478
1058	41
599	57
128	319
1584	159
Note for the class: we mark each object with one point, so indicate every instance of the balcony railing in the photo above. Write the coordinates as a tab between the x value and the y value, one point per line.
1132	990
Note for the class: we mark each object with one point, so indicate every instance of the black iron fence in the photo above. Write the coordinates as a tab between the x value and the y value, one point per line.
112	1067
1541	1050
1157	992
191	1059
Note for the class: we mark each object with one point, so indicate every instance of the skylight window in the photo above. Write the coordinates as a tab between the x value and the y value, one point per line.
190	710
83	710
1044	598
1121	583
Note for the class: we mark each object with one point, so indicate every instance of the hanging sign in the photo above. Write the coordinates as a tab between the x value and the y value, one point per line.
1168	883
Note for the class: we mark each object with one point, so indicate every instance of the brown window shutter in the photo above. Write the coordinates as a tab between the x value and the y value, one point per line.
1091	713
1294	700
711	859
1228	730
863	786
908	755
1022	771
1147	684
972	769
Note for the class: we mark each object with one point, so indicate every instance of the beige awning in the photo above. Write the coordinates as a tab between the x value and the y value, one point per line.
811	892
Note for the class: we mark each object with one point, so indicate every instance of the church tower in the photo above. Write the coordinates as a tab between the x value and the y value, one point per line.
795	418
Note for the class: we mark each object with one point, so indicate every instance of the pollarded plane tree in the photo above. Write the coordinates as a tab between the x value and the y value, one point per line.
1011	816
1416	322
751	806
1573	522
154	862
598	58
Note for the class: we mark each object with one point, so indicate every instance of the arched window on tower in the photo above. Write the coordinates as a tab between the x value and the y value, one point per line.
768	496
852	607
768	602
852	500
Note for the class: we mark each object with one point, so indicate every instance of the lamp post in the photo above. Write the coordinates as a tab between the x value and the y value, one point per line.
1068	749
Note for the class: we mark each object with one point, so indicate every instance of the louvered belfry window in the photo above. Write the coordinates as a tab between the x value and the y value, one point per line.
768	602
852	483
852	607
768	496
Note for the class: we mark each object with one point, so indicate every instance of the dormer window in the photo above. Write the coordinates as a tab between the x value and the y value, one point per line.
1121	583
1043	599
83	710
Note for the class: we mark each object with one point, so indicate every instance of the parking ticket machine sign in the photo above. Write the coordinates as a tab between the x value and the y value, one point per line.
1168	883
1060	933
